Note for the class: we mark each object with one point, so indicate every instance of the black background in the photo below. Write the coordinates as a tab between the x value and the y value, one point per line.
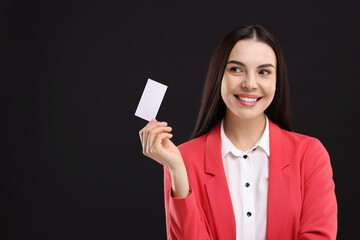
72	74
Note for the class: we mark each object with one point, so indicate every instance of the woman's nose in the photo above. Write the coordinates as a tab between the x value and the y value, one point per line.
249	82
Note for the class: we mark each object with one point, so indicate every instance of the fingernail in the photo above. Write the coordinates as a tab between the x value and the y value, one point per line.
153	120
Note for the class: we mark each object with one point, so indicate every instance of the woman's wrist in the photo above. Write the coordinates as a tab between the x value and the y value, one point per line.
175	166
180	183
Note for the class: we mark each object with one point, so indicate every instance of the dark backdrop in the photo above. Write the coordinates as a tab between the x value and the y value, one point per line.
72	74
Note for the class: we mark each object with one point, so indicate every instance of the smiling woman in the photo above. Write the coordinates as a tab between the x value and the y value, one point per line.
213	107
245	175
248	84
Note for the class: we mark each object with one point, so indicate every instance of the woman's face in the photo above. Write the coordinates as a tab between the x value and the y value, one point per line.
249	81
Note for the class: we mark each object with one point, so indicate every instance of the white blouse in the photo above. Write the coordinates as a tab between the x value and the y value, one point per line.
247	174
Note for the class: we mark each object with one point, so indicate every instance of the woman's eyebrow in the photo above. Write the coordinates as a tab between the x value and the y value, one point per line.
237	62
266	65
260	66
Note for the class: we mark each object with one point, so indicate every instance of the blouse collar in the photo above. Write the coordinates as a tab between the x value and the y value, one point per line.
227	146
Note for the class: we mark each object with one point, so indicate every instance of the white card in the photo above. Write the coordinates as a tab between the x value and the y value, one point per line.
151	100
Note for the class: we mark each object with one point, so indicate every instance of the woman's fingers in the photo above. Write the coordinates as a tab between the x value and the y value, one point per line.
143	131
155	138
152	124
154	134
157	143
151	132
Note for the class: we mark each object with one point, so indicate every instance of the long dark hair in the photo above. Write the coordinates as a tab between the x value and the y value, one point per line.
213	108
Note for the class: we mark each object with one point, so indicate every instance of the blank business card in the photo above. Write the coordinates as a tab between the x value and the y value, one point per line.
151	100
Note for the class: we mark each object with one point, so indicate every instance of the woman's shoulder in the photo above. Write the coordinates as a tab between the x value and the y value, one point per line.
193	152
193	144
299	140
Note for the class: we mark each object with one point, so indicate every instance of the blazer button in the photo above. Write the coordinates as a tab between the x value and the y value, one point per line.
245	156
248	214
247	184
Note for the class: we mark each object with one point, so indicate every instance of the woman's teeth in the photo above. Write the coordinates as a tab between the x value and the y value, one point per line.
245	99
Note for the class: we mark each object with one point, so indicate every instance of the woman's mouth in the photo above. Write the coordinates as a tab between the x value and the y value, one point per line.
248	100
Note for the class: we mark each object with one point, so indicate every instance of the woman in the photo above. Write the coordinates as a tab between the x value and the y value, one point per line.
245	175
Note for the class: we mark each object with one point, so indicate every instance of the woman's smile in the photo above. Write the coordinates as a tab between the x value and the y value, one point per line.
248	100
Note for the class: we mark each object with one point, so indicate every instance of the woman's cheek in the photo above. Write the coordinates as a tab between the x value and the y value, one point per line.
223	89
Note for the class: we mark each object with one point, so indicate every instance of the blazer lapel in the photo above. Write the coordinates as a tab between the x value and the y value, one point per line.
279	185
217	188
218	192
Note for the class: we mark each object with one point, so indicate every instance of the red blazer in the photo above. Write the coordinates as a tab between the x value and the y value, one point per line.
301	197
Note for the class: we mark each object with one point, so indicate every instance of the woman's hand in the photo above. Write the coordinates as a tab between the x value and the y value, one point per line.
155	138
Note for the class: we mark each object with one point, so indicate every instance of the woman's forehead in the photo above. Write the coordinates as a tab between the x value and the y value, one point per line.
252	51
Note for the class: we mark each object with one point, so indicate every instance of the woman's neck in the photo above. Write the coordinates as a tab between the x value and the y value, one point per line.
244	133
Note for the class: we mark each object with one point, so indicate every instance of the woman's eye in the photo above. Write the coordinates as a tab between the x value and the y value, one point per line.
264	72
235	69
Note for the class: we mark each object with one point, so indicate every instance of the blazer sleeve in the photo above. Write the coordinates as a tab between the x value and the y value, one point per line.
184	219
319	211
